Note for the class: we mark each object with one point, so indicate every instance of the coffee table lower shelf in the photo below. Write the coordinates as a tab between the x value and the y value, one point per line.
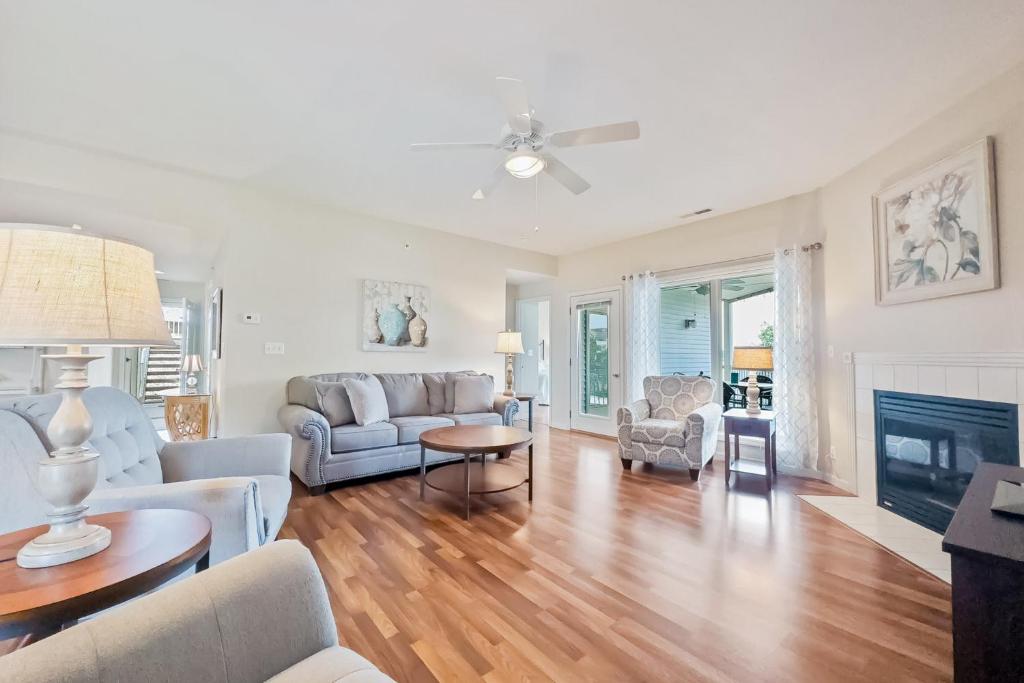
483	478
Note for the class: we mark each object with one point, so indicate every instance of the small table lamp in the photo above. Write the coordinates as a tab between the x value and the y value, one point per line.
74	290
752	358
509	343
191	364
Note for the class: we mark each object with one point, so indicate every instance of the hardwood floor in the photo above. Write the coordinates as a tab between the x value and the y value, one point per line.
619	576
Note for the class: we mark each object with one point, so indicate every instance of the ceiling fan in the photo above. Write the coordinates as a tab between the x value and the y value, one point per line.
525	140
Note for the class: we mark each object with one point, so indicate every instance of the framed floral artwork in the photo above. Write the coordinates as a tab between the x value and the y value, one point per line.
935	231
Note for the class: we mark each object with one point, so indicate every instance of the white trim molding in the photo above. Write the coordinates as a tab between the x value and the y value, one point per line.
985	359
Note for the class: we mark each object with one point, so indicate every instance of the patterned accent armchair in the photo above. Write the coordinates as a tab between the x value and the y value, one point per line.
676	424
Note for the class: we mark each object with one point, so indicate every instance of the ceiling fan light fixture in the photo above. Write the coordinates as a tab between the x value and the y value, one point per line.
524	163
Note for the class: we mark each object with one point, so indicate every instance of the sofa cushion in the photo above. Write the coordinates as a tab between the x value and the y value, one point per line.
275	492
410	427
449	388
354	437
406	393
334	404
473	394
474	418
332	665
434	381
303	390
369	404
660	432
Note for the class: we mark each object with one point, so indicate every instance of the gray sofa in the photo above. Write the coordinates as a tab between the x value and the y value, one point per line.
240	484
323	453
263	616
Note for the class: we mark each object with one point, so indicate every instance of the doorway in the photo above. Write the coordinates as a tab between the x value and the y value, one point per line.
533	371
595	362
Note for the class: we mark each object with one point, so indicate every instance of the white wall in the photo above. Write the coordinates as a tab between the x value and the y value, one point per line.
301	267
985	321
295	263
752	232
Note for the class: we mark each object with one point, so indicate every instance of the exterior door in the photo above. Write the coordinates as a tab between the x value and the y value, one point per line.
595	362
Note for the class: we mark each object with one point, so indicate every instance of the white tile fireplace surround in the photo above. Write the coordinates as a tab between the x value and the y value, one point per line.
987	376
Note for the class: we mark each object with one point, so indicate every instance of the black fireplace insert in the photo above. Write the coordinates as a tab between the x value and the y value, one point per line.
927	448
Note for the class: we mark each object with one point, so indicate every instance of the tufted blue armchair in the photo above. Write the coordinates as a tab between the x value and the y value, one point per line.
240	484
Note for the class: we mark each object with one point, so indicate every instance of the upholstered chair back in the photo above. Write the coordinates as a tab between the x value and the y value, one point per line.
122	434
674	397
21	505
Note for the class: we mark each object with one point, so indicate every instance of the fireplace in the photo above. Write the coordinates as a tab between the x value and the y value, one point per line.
927	448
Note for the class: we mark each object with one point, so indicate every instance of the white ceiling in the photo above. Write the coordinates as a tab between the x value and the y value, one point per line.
739	102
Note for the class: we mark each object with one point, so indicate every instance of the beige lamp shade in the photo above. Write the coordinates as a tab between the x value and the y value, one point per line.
752	358
193	362
59	288
509	342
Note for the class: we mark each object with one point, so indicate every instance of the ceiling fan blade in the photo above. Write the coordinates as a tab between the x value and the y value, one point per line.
489	187
450	146
512	93
613	132
565	175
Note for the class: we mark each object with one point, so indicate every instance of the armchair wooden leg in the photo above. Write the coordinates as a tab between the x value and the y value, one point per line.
695	474
626	463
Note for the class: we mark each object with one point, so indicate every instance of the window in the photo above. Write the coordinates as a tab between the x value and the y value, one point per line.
593	380
703	321
685	329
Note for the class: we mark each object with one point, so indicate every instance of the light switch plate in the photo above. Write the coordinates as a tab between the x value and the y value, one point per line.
274	348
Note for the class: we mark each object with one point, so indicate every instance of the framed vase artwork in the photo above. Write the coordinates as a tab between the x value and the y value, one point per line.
395	316
935	231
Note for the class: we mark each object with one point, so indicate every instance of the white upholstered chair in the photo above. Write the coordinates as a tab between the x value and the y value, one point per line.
675	424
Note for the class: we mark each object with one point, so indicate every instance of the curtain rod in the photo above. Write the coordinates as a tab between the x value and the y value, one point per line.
814	246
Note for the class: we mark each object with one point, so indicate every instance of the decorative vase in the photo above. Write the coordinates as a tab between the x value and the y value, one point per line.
375	336
393	325
418	331
409	313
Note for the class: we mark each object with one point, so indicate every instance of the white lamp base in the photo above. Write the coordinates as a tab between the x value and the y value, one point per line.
68	475
49	551
753	395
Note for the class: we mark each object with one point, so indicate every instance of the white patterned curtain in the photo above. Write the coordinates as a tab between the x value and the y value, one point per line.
643	306
793	375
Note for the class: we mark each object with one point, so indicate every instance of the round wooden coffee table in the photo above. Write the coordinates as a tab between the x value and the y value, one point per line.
147	548
471	440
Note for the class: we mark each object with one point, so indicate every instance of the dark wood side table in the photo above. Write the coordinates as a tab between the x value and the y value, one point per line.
987	551
147	548
738	422
471	440
529	400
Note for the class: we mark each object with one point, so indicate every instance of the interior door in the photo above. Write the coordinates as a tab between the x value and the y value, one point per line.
596	362
527	370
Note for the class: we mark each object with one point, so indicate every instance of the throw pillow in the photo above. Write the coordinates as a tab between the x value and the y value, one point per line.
369	404
449	388
474	394
332	399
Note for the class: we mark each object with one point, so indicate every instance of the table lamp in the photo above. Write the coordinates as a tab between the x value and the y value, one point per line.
752	358
73	290
191	364
509	343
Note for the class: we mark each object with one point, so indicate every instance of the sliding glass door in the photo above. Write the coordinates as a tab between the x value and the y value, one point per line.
703	320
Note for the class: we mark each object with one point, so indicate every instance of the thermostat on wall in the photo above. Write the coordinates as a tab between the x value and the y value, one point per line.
251	318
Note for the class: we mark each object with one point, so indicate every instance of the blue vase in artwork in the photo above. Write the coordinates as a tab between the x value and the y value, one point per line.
393	325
